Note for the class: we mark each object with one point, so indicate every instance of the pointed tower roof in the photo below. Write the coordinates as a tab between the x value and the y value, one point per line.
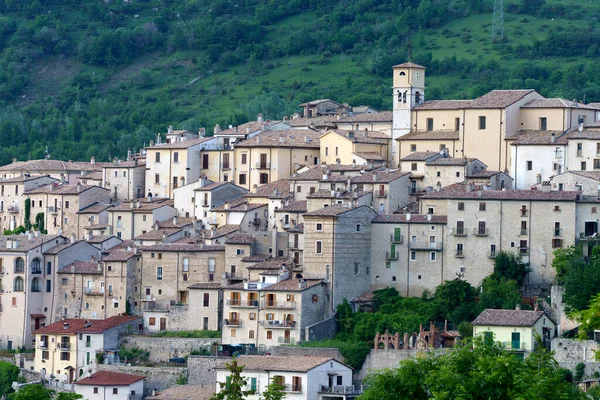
409	65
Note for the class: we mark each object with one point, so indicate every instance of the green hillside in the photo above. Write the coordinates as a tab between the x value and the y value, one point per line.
95	77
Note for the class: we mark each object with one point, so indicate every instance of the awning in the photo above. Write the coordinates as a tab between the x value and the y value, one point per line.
38	316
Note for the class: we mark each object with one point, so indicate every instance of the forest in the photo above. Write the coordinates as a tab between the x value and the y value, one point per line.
86	78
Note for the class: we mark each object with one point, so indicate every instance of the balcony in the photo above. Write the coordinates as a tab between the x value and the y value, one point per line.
524	251
288	305
232	322
459	254
341	390
292	388
481	231
13	209
397	239
459	231
516	345
64	345
524	212
36	271
225	166
256	221
524	232
53	210
284	340
94	292
43	345
435	246
278	324
262	165
381	193
242	303
391	255
492	254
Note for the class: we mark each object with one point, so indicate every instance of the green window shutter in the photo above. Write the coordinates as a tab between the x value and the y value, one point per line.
227	382
392	250
253	384
397	234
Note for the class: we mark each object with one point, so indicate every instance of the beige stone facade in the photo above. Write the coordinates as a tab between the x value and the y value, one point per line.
125	180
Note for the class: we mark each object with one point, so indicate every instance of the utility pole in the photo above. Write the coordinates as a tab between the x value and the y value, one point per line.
498	21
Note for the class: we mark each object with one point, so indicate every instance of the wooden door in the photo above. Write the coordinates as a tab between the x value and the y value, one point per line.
163	324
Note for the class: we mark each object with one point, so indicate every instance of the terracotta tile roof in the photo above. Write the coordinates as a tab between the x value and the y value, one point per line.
117	255
316	172
558	103
493	99
444	105
48	165
414	219
239	238
23	178
256	258
278	363
145	206
324	120
271	263
326	194
109	378
449	161
126	164
185	392
297	229
95	227
100	238
95	176
380	176
370	155
78	325
57	249
421	156
409	65
459	191
431	135
224	230
64	189
181	222
536	137
331	211
180	145
293	285
211	186
294	206
595	175
588	132
303	138
319	101
25	244
157	234
182	247
363	297
82	267
238	205
270	272
508	317
253	126
483	174
95	208
361	136
205	285
383	116
279	189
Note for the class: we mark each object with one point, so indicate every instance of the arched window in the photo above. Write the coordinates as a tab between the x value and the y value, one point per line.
417	98
36	267
402	73
35	285
19	266
18	284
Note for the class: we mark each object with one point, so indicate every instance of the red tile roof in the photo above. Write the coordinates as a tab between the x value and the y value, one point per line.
509	317
109	378
459	191
74	326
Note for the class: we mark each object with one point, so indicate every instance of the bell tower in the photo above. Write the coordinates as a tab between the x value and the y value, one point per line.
408	92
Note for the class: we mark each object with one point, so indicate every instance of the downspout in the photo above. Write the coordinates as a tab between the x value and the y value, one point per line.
169	188
464	133
516	166
332	265
442	277
501	218
408	265
25	288
177	276
500	143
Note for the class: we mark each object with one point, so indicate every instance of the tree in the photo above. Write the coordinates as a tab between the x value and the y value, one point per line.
343	317
511	267
232	388
581	281
32	392
68	396
274	391
589	319
456	301
563	259
485	371
8	374
502	294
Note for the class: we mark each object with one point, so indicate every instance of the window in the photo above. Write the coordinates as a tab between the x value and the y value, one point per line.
429	124
456	124
430	210
156	178
152	321
18	284
251	336
583	165
482	122
206	300
413	148
318	247
159	273
326	151
65	356
459	249
458	174
244	159
594	209
45	355
233	332
48	285
239	252
438	174
461	206
481	229
413	256
529	165
264	178
356	268
269	335
336	151
95	390
35	285
115	390
242	179
579	149
543	123
64	281
460	228
432	256
176	157
358	227
19	266
186	264
413	166
160	256
157	157
252	316
482	207
319	227
556	243
36	267
252	380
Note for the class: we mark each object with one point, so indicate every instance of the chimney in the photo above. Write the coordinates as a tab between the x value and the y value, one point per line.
202	132
301	284
65	325
259	117
158	138
15	244
90	235
351	135
428	217
93	160
552	138
374	176
29	235
131	204
408	216
151	144
217	128
175	220
14	160
164	238
518	307
281	139
170	129
226	205
78	187
247	130
536	307
139	204
36	233
128	154
73	237
99	267
8	243
258	139
156	226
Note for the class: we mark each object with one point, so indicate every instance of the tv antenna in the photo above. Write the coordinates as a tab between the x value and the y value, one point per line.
498	21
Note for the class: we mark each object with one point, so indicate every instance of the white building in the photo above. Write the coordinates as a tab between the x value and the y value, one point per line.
107	385
306	378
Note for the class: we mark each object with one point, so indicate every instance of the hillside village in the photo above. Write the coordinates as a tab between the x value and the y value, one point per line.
258	232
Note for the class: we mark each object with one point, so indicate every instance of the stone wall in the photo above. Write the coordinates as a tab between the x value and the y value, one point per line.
164	348
158	378
378	360
290	351
201	369
321	330
570	352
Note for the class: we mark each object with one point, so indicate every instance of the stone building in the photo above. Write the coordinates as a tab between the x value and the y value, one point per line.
354	147
12	199
125	179
134	218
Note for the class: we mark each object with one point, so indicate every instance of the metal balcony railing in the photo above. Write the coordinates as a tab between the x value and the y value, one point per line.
242	303
225	166
284	340
13	209
381	193
94	291
435	246
481	231
278	304
338	389
524	251
256	221
397	239
557	232
391	255
458	253
53	210
64	345
492	254
524	212
282	324
292	388
459	231
232	322
524	231
262	165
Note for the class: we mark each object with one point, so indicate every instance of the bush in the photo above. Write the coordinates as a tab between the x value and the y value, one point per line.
134	355
579	371
354	352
